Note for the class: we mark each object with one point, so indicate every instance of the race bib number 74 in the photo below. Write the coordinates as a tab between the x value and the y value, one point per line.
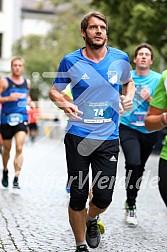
97	112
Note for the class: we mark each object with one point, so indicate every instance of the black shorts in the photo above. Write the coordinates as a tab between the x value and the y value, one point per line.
33	126
8	131
102	156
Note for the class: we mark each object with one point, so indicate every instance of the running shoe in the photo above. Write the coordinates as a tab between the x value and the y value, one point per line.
5	178
93	234
101	225
16	183
82	248
130	215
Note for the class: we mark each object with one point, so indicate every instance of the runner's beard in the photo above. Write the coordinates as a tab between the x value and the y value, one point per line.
94	45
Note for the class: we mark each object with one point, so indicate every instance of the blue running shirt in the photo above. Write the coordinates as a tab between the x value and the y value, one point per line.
135	118
14	112
95	90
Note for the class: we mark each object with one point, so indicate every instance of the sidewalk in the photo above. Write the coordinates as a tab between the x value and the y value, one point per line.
35	218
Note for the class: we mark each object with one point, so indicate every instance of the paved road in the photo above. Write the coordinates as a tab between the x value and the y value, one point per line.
35	218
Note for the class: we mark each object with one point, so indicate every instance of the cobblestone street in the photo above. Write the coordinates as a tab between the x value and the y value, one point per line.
35	218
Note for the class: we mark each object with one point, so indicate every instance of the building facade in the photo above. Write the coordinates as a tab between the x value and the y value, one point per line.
19	18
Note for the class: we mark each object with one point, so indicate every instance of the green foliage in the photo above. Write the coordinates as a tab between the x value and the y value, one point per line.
130	22
37	52
133	21
43	54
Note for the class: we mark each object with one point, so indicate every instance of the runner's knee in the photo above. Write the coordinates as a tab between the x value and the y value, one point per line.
101	201
78	203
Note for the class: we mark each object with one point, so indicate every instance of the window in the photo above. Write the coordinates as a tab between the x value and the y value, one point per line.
1	45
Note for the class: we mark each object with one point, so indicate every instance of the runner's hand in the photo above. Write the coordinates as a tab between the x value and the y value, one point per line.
121	110
72	111
145	93
126	102
15	96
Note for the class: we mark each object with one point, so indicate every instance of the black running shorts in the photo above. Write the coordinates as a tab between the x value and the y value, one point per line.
8	131
101	156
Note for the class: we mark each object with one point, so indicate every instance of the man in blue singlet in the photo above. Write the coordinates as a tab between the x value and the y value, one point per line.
14	91
92	138
136	141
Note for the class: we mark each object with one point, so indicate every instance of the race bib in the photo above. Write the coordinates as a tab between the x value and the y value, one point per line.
14	119
97	112
137	118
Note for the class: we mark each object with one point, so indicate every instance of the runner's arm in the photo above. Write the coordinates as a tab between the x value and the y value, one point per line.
63	102
155	119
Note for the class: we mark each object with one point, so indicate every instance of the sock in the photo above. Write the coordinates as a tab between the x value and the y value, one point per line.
80	243
17	173
89	218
